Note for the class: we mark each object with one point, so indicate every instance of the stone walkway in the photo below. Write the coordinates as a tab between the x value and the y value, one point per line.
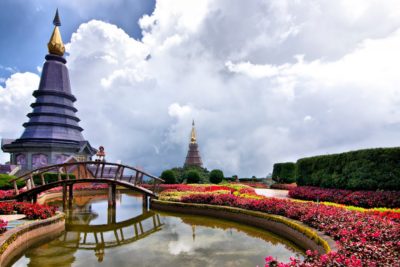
272	193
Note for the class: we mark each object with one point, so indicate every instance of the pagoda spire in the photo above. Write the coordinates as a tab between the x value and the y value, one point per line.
193	134
193	156
56	45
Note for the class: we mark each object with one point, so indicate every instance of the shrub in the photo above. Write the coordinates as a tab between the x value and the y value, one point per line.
3	225
216	176
169	177
50	177
32	211
5	183
366	199
367	169
363	239
192	177
283	186
284	173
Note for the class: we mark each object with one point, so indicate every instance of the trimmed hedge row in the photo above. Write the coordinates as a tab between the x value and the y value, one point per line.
284	173
367	169
5	182
50	177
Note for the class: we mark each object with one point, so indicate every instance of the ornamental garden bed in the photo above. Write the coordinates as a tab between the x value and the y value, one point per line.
365	199
363	238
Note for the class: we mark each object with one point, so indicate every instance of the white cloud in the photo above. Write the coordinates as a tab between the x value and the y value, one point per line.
265	81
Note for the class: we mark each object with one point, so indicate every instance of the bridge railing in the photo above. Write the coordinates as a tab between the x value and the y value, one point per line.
89	170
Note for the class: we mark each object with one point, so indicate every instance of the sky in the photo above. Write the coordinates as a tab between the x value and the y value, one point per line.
265	81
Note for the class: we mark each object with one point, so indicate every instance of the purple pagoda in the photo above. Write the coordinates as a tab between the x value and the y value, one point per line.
193	156
52	133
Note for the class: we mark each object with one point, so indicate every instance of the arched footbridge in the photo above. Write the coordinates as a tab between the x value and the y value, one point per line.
70	173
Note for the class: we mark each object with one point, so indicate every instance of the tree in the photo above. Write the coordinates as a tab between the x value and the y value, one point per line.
216	176
192	177
169	177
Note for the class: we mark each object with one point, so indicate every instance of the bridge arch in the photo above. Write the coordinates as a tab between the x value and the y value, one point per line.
70	173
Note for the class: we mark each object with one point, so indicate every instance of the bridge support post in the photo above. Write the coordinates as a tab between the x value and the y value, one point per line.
70	195
111	212
145	202
64	195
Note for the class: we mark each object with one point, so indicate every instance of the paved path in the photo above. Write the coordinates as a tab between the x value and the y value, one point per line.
272	193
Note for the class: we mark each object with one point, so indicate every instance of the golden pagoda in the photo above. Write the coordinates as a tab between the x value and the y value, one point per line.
193	156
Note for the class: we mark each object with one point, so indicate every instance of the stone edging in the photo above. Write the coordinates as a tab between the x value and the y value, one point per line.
15	241
295	231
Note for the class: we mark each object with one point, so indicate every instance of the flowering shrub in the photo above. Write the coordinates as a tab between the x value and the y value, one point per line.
31	211
177	191
83	186
283	186
6	194
3	225
363	238
252	184
366	199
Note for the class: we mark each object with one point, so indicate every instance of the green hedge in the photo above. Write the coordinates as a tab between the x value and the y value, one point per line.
50	177
5	182
168	176
367	169
284	173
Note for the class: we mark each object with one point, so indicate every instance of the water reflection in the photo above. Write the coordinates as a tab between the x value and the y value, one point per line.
138	237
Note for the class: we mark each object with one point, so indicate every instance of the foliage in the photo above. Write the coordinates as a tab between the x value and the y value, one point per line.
283	186
168	176
367	169
180	173
366	199
50	177
31	211
5	183
175	192
284	173
192	176
363	239
3	225
216	176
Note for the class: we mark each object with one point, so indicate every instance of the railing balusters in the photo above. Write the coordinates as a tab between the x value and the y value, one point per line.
32	182
116	172
42	177
121	176
102	170
16	188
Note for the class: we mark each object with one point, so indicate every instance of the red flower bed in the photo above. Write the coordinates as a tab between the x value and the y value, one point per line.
363	239
6	194
3	225
84	186
284	186
365	199
192	188
32	211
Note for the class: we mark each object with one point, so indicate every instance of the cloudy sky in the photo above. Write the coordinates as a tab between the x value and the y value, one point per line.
265	81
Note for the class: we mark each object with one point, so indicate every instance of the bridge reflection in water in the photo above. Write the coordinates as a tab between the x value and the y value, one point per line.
82	232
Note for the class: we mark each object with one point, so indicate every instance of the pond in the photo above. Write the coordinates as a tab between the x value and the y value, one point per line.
133	236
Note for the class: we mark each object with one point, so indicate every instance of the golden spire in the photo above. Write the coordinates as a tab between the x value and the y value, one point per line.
56	45
193	135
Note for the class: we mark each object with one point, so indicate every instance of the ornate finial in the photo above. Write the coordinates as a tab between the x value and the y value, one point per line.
56	20
193	134
56	45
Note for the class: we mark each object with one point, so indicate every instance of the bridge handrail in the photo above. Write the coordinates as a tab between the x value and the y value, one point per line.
58	168
60	165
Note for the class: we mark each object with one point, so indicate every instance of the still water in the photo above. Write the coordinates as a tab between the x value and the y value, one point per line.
133	236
